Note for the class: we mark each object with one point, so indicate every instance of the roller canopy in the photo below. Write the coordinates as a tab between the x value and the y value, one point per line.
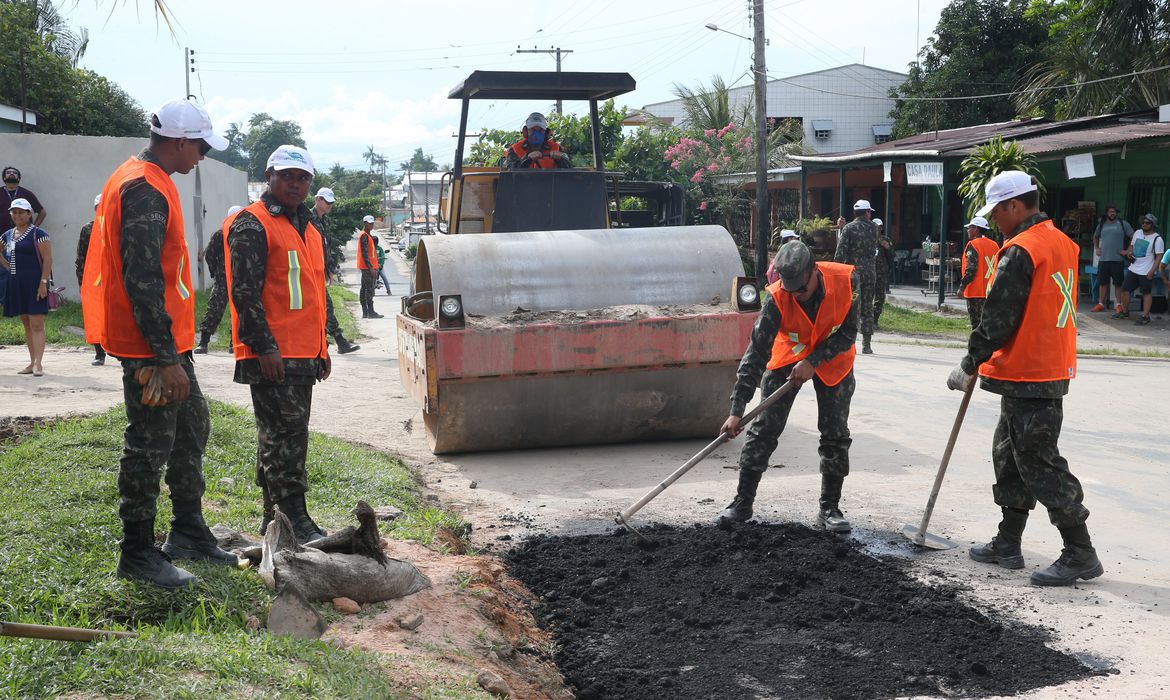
578	270
542	85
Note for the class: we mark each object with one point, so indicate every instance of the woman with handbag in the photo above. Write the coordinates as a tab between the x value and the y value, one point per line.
28	257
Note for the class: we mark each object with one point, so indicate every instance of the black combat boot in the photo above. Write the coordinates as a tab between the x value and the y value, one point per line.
740	509
830	516
344	346
304	528
866	349
375	314
142	561
269	510
1004	548
190	537
1078	560
201	348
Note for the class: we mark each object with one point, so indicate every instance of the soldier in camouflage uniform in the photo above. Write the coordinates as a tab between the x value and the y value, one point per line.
282	387
319	216
1025	351
99	357
829	352
857	244
217	302
885	258
972	285
176	432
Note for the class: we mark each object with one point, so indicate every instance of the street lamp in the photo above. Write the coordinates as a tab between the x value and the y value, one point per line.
763	211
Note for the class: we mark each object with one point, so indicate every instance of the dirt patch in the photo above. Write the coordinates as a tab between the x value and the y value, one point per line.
475	617
768	611
12	430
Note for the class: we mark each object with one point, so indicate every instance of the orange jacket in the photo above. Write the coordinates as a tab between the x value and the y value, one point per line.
294	287
798	334
988	252
542	162
366	243
1044	347
120	334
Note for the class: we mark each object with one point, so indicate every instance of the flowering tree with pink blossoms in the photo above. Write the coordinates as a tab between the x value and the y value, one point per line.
707	160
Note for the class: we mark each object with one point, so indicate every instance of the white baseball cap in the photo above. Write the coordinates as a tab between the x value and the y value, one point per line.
326	194
233	209
787	233
98	199
1002	187
862	205
878	222
288	157
980	222
183	119
368	218
20	203
536	119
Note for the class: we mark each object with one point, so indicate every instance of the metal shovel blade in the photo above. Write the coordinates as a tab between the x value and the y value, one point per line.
925	539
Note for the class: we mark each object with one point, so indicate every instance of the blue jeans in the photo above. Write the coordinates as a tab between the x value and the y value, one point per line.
386	282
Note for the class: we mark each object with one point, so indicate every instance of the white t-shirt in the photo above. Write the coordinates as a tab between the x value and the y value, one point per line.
1154	247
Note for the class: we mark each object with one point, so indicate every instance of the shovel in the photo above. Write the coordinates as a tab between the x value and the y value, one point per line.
918	535
623	518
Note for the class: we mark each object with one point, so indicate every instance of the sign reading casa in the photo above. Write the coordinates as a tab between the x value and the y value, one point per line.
924	173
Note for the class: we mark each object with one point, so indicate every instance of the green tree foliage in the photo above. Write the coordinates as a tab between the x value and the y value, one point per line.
234	154
1094	39
35	43
264	136
419	162
710	107
347	214
979	47
987	161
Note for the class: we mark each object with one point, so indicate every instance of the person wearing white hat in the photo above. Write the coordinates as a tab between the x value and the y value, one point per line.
319	213
83	240
213	254
884	258
367	264
28	259
277	288
979	258
1025	350
536	148
144	307
857	245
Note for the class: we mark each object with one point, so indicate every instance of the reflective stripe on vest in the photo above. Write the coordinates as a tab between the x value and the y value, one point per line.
1044	346
120	334
293	295
798	335
987	251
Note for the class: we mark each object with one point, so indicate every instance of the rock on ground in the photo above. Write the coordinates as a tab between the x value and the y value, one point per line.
346	606
292	615
493	684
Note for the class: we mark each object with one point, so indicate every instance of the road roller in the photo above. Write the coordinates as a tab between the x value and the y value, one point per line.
537	318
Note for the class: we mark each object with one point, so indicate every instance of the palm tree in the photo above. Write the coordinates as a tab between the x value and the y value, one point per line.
58	37
711	108
987	161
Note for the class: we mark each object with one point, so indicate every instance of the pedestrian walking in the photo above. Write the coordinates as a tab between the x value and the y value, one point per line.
276	284
979	258
213	254
381	252
146	309
83	239
806	330
857	245
319	214
368	265
1025	350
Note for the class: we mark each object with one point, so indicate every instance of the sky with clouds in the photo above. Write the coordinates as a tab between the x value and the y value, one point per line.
356	73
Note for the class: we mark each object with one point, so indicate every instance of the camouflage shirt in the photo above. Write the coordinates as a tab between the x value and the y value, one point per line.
248	246
321	222
82	250
759	349
213	255
971	261
857	245
144	228
1004	310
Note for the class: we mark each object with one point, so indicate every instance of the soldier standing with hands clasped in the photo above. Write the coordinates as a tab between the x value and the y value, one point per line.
276	284
145	308
857	245
1025	350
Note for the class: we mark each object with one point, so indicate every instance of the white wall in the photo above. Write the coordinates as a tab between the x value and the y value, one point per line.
809	96
67	172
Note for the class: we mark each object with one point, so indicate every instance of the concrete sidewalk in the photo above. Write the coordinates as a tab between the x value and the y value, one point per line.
1095	331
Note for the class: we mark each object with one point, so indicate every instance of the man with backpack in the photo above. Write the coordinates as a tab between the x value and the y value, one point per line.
1144	251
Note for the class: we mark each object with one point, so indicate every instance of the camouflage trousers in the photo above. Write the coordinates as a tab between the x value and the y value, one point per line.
332	327
832	421
282	437
173	435
1028	465
865	299
216	305
369	281
975	311
879	304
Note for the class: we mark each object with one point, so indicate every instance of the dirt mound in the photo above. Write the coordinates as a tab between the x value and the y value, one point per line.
753	611
13	429
627	312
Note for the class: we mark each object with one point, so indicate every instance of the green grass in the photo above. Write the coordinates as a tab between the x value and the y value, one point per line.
12	331
897	319
58	494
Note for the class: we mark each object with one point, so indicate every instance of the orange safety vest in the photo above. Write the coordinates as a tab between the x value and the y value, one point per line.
294	287
366	241
988	252
543	161
91	286
119	333
798	334
1044	347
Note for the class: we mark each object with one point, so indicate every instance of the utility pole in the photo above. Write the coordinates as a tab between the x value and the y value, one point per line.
554	50
188	69
763	211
